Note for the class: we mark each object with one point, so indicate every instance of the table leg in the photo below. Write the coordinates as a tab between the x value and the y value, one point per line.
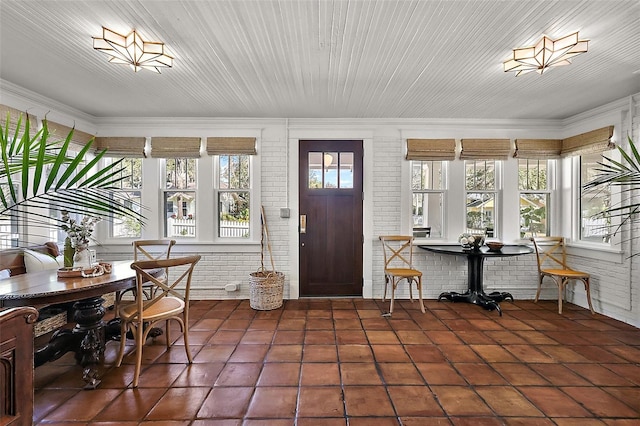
88	316
86	340
475	293
474	297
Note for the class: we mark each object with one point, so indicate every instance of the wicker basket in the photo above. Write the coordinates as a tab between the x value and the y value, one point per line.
49	321
265	287
265	290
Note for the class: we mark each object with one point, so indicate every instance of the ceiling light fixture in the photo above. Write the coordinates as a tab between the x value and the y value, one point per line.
133	51
545	54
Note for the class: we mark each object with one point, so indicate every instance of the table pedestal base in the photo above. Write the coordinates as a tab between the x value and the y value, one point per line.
86	339
488	301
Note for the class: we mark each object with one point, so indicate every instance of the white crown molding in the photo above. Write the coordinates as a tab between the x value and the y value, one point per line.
27	100
611	108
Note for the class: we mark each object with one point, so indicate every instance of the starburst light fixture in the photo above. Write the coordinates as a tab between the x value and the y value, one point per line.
545	54
132	50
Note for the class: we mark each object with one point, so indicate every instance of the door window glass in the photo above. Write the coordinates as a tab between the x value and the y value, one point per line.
331	170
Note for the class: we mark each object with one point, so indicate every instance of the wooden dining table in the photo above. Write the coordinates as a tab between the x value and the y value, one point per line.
88	336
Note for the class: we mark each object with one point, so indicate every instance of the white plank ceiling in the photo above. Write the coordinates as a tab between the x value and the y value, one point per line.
322	58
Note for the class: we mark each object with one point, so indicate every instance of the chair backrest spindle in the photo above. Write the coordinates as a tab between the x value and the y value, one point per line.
397	250
550	250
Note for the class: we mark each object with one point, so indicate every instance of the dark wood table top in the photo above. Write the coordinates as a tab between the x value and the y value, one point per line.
45	287
456	249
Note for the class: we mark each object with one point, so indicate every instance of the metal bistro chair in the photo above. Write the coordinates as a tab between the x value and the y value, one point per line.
147	250
552	262
169	302
398	266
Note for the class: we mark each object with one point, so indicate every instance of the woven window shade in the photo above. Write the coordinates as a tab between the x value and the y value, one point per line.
121	146
431	149
589	143
241	146
59	132
485	149
175	147
14	114
538	149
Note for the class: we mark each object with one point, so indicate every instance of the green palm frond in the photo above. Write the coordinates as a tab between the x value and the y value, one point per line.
51	180
625	175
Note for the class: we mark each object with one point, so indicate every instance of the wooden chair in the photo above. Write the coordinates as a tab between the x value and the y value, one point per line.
552	262
167	303
147	250
398	266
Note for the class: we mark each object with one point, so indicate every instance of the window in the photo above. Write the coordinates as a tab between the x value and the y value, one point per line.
55	233
179	199
331	170
428	186
481	197
533	184
592	202
234	196
9	233
129	194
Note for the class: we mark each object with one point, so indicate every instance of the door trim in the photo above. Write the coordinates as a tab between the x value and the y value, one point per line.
293	201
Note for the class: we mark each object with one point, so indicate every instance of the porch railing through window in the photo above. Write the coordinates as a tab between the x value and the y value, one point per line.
187	228
234	229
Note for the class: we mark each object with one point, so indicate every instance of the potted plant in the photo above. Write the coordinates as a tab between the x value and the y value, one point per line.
626	175
38	178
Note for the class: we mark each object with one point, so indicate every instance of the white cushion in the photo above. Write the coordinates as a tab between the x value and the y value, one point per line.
35	261
5	273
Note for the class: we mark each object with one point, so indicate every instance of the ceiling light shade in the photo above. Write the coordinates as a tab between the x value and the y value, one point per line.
132	50
545	54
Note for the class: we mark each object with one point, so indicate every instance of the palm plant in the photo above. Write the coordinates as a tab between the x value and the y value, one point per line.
627	177
38	178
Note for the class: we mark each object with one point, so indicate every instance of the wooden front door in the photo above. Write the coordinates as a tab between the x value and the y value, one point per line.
330	222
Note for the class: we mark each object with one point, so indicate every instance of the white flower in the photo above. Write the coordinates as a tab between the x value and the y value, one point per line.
79	233
470	240
464	238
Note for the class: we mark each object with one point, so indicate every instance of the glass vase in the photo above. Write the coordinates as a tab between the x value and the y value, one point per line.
82	258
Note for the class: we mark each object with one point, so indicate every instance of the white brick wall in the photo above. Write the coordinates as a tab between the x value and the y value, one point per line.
616	286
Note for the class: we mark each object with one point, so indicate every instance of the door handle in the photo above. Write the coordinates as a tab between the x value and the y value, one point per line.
303	223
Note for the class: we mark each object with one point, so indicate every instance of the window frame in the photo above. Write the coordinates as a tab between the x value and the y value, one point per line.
548	192
153	175
218	191
254	202
576	167
496	192
13	222
164	231
443	191
109	226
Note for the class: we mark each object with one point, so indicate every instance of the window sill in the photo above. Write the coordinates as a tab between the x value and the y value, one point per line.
198	246
431	241
596	251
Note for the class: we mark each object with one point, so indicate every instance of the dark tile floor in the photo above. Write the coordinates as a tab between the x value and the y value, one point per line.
339	362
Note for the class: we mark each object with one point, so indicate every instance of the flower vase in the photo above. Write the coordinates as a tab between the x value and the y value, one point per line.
82	258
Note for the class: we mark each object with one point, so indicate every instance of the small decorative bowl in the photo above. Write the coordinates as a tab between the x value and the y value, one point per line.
494	245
